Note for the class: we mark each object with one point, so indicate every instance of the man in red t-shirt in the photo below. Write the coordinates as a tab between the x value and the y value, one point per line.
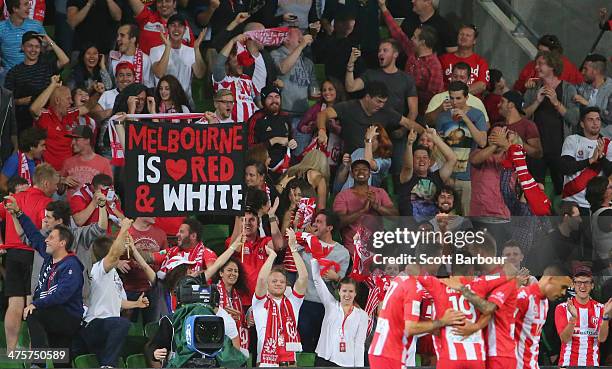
147	238
466	40
511	108
253	254
19	256
85	163
152	22
58	121
91	196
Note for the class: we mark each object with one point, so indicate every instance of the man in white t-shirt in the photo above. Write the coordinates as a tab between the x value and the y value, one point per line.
276	309
584	157
128	50
124	76
106	330
177	59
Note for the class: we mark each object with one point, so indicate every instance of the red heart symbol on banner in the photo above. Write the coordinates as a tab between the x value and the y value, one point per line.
176	168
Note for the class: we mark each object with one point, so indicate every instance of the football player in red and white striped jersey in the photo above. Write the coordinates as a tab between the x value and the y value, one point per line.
454	349
532	308
582	323
394	342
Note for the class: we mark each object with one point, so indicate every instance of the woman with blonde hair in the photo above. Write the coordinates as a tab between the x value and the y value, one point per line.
314	168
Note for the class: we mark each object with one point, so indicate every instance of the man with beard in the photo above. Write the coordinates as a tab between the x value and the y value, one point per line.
228	73
584	157
190	247
313	311
361	205
129	50
272	127
447	218
402	91
224	103
85	163
597	88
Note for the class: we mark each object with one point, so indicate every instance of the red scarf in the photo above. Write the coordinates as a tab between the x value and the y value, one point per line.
24	168
235	303
378	283
313	246
138	65
314	145
536	198
362	257
281	331
117	152
579	183
283	165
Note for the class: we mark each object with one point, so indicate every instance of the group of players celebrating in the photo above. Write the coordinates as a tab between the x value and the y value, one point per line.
491	321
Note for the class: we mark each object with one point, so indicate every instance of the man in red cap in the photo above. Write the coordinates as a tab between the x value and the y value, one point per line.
125	75
85	163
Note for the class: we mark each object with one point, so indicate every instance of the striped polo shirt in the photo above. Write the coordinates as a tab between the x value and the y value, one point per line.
10	40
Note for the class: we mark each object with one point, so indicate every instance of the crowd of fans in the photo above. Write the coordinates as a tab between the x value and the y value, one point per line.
415	125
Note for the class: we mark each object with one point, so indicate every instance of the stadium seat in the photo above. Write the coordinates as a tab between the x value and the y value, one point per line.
86	361
136	361
305	359
136	330
249	362
151	329
12	364
320	73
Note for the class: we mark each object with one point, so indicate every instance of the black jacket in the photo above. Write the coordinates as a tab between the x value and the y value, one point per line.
8	124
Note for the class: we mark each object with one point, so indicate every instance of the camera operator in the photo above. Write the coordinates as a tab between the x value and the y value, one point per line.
159	350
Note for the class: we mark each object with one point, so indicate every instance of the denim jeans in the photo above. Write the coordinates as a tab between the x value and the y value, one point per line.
105	338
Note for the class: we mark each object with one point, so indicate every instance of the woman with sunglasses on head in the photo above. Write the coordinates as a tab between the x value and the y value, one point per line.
345	325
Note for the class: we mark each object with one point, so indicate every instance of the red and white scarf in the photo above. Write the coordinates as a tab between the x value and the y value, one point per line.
281	331
319	252
579	183
283	165
362	257
537	200
24	168
267	37
314	145
138	65
117	152
234	302
378	283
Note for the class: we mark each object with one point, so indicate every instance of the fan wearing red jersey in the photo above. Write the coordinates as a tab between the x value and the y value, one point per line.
582	323
532	308
464	294
399	318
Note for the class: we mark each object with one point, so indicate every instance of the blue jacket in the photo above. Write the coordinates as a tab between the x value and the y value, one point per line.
60	283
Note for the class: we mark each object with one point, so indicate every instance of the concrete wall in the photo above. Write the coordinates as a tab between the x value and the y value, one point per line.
573	21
